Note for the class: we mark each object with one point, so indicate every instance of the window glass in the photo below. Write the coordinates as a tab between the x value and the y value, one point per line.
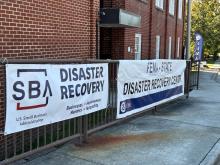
170	47
180	9
178	48
171	6
159	3
157	47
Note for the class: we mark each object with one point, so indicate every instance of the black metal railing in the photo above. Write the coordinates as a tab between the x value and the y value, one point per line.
22	144
194	75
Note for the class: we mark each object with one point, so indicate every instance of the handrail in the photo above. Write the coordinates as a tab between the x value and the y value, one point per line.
54	61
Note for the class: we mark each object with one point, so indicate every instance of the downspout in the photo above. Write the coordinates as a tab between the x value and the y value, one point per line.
188	30
176	27
166	24
150	29
91	40
97	39
183	29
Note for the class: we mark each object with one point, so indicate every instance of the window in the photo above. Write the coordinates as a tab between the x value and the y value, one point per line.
180	9
171	6
178	48
157	47
170	47
137	46
159	3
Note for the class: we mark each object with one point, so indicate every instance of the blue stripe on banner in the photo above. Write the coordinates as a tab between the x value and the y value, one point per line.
135	103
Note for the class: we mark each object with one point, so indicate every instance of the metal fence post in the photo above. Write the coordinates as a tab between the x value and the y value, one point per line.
80	129
198	75
188	29
85	129
188	78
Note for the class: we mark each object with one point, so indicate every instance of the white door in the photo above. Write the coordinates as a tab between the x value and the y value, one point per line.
137	46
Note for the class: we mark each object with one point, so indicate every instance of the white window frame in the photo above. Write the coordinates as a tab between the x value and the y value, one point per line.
171	7
178	48
180	9
157	47
159	3
170	48
138	54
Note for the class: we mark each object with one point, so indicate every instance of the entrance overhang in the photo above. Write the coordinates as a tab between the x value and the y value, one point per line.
112	17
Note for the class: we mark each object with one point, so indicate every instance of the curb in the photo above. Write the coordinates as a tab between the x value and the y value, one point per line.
213	157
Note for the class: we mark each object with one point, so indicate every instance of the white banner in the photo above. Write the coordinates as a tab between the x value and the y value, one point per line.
38	95
148	83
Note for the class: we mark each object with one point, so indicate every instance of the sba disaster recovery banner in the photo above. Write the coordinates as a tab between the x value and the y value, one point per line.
38	95
147	83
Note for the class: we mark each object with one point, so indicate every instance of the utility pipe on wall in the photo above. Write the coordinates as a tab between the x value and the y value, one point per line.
188	30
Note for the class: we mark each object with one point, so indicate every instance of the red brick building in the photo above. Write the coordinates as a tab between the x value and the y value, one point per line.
84	29
106	29
48	29
160	30
71	29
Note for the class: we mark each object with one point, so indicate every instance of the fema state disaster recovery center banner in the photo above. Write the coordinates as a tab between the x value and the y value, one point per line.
147	83
38	95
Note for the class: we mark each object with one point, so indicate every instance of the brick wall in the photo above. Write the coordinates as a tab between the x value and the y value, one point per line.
180	32
141	8
154	21
166	26
48	29
171	28
112	3
158	28
175	30
180	29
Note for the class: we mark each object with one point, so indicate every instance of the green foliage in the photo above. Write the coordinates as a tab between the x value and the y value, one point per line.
206	20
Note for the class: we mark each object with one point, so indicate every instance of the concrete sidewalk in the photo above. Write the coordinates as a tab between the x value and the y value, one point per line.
182	132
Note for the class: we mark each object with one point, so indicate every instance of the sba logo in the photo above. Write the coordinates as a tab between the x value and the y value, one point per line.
27	91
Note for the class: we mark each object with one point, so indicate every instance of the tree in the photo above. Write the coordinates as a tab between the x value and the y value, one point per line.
206	20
